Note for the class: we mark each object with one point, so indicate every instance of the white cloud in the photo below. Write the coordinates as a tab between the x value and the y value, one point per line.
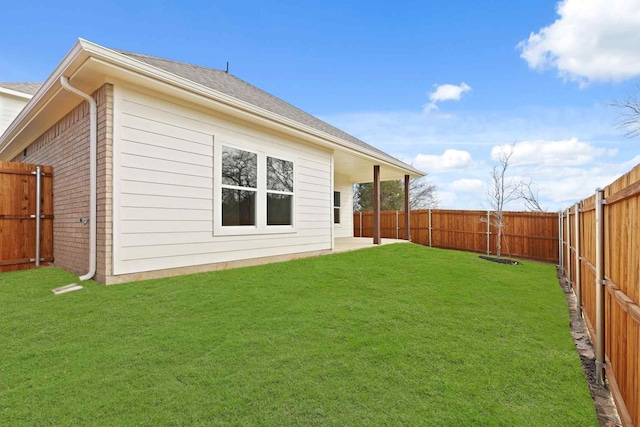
446	92
569	152
592	40
406	133
447	199
631	163
556	144
451	160
564	187
466	185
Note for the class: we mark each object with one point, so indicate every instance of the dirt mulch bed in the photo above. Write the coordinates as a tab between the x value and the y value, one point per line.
499	260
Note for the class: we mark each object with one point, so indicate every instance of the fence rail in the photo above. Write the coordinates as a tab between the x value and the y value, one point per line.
601	261
530	235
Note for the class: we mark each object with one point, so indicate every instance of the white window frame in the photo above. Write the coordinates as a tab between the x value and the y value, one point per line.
261	226
285	193
240	188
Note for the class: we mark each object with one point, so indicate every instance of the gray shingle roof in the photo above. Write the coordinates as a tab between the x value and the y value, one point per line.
28	88
230	85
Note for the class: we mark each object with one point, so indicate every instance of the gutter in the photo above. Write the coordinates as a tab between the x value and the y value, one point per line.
93	142
84	50
109	56
39	101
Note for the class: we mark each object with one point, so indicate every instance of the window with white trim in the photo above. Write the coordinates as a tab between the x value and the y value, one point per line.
279	191
336	207
254	191
239	187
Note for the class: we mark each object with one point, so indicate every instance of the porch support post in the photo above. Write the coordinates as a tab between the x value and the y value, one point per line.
407	209
376	205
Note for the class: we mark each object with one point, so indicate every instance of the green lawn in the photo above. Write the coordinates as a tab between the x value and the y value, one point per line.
394	335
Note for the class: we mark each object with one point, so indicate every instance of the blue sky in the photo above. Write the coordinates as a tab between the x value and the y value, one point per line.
439	84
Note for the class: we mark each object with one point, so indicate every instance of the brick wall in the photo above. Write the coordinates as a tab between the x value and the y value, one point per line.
65	146
105	183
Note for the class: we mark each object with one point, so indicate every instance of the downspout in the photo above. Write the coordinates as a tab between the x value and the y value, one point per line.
93	142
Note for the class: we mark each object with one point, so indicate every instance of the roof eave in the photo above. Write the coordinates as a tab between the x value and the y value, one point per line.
135	65
15	93
84	50
40	99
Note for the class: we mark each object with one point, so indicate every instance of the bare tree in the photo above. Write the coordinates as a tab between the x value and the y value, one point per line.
530	196
504	190
629	120
423	194
501	192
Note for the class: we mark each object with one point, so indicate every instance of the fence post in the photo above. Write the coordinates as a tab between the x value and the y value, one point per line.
488	232
397	225
430	241
38	212
577	282
600	284
560	243
360	224
568	234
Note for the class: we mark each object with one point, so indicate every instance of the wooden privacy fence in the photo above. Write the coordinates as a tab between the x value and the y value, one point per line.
25	239
601	261
532	235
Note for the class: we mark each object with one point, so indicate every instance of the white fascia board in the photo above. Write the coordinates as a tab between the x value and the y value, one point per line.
15	93
38	101
155	73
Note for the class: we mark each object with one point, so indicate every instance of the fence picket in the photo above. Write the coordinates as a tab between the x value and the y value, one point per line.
19	208
530	235
607	236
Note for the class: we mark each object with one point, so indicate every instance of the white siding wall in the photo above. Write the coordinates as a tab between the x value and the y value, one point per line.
10	106
164	185
345	187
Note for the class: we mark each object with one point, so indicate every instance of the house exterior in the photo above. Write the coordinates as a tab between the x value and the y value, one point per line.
195	169
13	98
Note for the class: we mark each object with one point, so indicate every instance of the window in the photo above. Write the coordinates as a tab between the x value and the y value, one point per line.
279	192
239	187
253	191
336	207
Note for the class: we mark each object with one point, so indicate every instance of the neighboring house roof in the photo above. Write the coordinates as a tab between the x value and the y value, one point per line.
230	85
27	87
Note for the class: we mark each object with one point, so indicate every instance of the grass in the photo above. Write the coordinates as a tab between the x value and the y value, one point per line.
393	335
